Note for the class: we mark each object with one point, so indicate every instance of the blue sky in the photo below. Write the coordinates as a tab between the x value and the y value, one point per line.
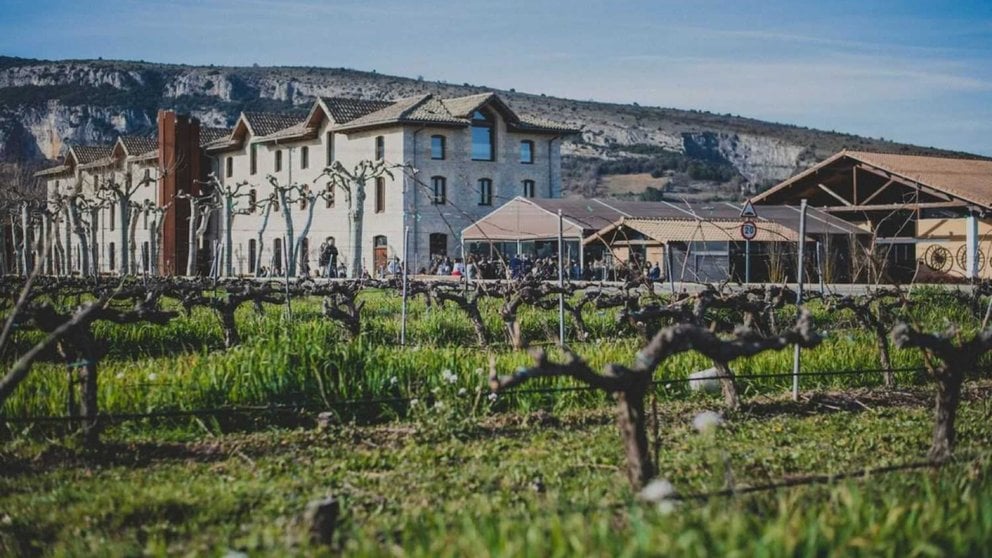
919	72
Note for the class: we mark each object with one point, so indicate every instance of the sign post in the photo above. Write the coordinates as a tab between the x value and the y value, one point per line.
749	230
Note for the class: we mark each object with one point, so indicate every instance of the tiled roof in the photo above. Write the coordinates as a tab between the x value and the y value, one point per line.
266	123
52	171
967	179
86	154
422	108
666	230
139	145
345	110
210	135
462	107
527	124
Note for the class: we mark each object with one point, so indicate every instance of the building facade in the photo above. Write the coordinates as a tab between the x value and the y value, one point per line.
448	162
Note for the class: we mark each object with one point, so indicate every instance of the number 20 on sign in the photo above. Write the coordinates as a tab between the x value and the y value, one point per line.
749	230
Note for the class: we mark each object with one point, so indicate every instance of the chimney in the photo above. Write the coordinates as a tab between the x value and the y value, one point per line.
180	161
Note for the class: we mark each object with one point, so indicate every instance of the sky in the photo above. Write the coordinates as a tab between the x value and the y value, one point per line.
910	71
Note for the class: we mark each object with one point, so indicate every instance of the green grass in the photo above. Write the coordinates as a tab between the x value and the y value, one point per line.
407	489
452	474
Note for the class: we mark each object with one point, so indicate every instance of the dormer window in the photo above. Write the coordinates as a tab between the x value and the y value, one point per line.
483	136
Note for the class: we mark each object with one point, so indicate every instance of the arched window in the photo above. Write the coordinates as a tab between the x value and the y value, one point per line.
380	194
228	167
277	256
380	148
483	136
438	244
252	255
527	152
440	190
485	191
278	163
438	147
304	157
528	188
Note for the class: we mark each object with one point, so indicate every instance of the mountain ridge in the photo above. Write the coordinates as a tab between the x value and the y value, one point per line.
45	104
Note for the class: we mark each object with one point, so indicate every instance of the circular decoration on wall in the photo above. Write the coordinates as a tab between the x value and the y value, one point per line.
938	258
962	258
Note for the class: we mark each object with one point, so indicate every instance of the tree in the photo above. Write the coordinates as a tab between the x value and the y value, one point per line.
230	198
352	183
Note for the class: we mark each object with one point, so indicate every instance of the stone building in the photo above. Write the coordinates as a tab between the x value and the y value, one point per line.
452	161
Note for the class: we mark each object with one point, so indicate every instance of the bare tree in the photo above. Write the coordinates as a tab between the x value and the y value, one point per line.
353	183
631	384
949	357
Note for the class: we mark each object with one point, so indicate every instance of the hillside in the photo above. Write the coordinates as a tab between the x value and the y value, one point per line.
46	104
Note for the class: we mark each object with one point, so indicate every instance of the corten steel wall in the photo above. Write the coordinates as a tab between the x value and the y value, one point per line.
181	158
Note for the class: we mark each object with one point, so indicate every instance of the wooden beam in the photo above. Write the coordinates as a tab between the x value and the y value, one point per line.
905	182
854	181
835	195
894	207
879	191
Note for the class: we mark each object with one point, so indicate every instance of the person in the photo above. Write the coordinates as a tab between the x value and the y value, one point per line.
329	257
342	271
458	268
393	267
655	273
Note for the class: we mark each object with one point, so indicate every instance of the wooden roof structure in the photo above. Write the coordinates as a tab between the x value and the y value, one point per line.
865	182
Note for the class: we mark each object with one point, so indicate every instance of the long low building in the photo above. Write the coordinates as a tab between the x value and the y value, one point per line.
931	217
687	242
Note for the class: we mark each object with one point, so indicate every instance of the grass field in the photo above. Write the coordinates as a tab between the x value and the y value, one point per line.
446	471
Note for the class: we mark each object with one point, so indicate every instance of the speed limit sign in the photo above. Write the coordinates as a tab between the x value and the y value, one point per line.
749	230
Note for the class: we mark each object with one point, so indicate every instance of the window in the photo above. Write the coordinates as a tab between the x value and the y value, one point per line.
253	155
380	148
438	244
380	194
440	190
148	175
252	255
228	168
329	196
303	202
278	163
113	215
304	157
275	202
252	199
329	146
112	249
437	147
528	188
277	255
483	132
144	217
485	191
145	257
527	152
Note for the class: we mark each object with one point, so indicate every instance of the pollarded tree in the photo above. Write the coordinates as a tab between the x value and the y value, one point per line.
201	206
233	199
353	184
120	194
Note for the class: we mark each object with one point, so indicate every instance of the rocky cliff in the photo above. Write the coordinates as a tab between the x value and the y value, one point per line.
47	104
